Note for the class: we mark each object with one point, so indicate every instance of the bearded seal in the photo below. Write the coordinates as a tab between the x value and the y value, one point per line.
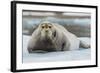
49	37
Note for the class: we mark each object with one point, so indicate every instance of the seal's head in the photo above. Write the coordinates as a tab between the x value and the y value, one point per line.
47	30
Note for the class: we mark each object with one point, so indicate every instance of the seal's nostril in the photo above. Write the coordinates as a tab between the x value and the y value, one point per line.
46	31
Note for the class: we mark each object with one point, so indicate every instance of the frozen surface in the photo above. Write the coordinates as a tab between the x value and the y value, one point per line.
82	54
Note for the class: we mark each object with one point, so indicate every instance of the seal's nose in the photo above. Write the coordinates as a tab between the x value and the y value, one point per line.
46	31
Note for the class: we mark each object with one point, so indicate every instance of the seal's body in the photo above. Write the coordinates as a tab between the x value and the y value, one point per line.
50	37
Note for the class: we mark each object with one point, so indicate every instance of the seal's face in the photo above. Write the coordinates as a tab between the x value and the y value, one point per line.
47	30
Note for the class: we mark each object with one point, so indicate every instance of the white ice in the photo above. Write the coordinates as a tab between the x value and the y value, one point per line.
82	54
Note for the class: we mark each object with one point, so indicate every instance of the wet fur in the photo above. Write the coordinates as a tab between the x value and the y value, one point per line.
60	40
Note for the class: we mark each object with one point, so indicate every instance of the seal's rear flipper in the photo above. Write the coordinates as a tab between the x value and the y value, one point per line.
84	44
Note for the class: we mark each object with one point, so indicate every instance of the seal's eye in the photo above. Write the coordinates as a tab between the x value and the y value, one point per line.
49	26
42	26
